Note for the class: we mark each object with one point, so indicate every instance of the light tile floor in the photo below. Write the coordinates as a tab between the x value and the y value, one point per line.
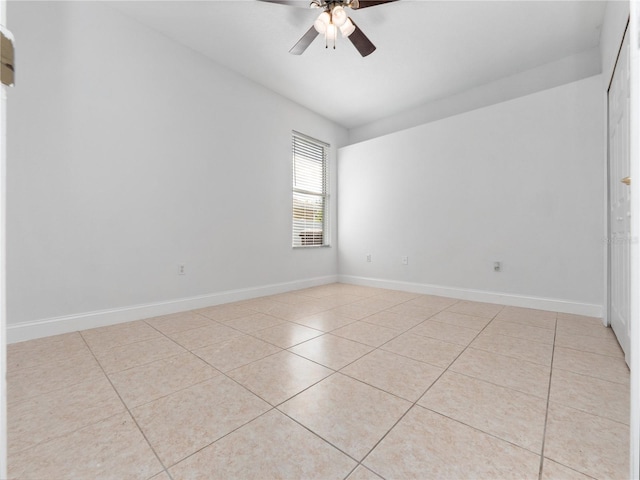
338	381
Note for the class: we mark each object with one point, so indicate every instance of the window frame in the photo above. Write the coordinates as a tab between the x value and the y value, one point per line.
324	195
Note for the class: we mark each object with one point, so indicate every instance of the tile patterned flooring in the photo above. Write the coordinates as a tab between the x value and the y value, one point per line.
338	381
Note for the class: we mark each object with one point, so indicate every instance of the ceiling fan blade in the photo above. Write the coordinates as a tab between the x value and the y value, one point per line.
291	3
307	3
304	42
361	42
371	3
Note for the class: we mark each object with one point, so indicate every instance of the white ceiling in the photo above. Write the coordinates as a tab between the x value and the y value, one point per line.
427	50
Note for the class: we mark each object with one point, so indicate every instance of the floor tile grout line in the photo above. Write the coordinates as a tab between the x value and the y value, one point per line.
373	386
546	416
374	349
61	435
119	345
512	322
522	338
460	354
301	391
431	320
224	373
619	357
327	366
191	350
142	364
489	382
591	414
271	407
578	333
290	346
11	369
200	449
586	375
319	436
556	331
338	371
281	348
477	429
251	362
574	470
260	359
413	405
146	320
366	344
185	350
420	322
414	359
165	469
509	356
434	338
333	371
11	403
328	331
520	359
592	376
395	337
200	382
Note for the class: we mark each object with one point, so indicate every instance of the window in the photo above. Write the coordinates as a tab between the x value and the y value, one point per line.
310	198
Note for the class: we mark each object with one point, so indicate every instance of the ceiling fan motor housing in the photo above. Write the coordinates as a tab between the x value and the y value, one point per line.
327	5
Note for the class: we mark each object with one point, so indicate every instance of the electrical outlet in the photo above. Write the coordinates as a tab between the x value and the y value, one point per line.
497	267
369	257
405	260
181	269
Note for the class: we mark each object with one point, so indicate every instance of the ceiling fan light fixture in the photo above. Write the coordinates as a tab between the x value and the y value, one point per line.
331	33
322	22
347	28
338	16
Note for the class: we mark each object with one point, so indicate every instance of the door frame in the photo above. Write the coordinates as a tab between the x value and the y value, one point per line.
3	288
633	27
634	153
606	317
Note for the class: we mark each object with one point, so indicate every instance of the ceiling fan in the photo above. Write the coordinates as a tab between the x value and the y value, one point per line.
333	18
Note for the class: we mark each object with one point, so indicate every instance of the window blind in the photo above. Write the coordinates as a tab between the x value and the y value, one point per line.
310	199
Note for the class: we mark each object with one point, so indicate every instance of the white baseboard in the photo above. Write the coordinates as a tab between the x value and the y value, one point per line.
21	332
71	323
539	303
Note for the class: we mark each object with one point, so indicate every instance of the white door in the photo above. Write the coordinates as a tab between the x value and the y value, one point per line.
619	200
634	33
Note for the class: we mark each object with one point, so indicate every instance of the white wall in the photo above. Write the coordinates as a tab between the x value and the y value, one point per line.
129	154
560	72
519	182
